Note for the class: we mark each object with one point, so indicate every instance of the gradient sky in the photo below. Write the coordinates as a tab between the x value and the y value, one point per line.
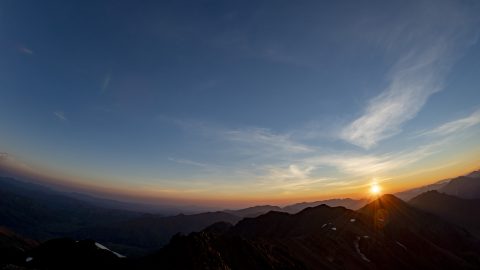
240	101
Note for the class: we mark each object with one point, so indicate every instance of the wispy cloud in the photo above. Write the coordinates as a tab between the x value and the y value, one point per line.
455	126
308	172
415	78
259	140
280	159
60	115
261	136
358	165
189	162
106	82
293	177
25	50
418	73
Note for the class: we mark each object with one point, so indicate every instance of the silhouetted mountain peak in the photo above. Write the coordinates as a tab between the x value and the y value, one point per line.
254	210
474	174
346	202
463	212
467	187
430	194
389	209
386	201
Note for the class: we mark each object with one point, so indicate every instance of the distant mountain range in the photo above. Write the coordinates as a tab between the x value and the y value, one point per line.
463	212
347	203
412	193
41	214
467	186
387	233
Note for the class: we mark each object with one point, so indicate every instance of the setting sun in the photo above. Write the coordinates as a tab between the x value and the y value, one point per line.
375	189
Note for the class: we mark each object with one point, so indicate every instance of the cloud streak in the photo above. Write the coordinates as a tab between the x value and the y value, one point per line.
189	162
106	83
309	172
264	137
418	73
60	115
455	126
25	50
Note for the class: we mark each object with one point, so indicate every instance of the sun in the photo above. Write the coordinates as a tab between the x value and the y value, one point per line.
375	189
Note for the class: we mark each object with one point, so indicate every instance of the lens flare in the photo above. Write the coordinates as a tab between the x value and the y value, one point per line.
375	189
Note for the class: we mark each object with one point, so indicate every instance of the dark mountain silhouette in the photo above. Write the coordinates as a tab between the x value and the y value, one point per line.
463	212
411	193
467	187
385	234
254	211
297	207
347	203
140	235
41	213
161	210
474	174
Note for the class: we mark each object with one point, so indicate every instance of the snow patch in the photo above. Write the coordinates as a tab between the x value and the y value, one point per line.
28	259
402	245
100	246
356	243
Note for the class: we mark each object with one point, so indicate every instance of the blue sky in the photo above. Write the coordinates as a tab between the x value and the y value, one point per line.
247	99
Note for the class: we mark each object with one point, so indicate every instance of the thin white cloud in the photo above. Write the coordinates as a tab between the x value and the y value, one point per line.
292	171
455	126
360	165
250	140
189	162
264	137
106	82
306	173
413	81
25	50
60	115
435	42
292	177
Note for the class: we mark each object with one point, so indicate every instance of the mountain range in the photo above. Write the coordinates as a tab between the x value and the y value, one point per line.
466	186
41	213
387	233
463	212
384	233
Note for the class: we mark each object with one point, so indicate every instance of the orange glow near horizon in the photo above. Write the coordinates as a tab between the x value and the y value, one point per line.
232	197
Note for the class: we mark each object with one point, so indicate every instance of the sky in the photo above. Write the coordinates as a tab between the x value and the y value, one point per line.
239	102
